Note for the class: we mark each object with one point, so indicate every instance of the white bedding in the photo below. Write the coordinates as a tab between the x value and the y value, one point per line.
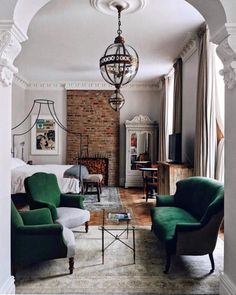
66	185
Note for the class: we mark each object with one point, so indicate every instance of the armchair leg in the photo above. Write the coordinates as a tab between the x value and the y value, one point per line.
212	262
168	261
86	226
98	191
71	265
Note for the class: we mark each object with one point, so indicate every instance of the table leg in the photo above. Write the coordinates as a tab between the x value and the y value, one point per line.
134	243
103	245
127	229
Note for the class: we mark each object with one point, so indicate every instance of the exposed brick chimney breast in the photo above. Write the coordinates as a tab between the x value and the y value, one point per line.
89	113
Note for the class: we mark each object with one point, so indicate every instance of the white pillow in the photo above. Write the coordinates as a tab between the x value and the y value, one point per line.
15	162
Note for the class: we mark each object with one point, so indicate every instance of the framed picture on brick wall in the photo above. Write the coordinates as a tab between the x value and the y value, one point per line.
44	135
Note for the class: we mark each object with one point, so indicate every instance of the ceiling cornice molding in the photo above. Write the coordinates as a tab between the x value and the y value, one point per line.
189	48
20	81
52	85
89	85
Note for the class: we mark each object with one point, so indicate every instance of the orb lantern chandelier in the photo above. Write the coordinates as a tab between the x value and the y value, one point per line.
119	65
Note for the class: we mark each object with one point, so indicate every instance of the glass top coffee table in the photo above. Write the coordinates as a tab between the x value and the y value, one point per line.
118	224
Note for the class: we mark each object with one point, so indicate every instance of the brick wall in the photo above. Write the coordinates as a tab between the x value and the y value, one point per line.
89	113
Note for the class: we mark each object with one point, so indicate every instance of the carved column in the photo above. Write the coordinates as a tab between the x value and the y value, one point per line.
10	47
227	53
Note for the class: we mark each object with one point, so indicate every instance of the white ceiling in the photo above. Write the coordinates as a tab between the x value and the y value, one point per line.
68	37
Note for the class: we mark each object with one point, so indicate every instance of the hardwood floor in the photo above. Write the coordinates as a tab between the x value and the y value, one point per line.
132	198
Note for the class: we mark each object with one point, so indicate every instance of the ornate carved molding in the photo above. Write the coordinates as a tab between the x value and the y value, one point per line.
226	50
140	120
20	81
9	49
87	85
189	48
46	85
108	6
92	85
228	57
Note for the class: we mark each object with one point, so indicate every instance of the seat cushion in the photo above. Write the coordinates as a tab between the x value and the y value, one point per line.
164	220
93	178
72	217
69	239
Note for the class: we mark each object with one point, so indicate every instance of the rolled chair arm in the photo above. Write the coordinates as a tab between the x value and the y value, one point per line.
44	229
165	201
72	200
37	216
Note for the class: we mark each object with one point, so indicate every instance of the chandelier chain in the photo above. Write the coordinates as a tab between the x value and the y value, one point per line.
119	31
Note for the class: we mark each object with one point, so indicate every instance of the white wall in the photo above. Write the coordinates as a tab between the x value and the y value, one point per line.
23	101
18	114
6	281
190	73
228	278
144	102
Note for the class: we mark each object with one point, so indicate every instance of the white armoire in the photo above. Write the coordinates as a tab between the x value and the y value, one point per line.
141	148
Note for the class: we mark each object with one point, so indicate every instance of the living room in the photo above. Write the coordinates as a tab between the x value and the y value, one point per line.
134	105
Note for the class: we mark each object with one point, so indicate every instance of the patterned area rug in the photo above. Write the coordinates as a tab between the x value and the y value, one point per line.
110	199
118	275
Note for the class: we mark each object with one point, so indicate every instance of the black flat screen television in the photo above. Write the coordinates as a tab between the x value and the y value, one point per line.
175	149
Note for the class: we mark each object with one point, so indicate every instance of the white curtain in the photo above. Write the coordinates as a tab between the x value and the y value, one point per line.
166	115
206	136
163	125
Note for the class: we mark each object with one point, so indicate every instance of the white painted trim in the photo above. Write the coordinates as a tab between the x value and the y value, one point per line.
189	49
108	6
20	81
9	286
226	285
9	25
52	85
88	85
219	35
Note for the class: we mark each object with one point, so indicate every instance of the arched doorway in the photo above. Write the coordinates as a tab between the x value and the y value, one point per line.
217	14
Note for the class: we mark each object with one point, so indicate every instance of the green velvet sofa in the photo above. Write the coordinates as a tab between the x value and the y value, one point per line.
188	221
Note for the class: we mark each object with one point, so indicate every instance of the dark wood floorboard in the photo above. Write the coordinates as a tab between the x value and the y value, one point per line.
132	198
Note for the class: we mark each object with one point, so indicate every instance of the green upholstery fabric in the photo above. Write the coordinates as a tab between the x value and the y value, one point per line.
195	194
36	217
44	187
71	200
165	201
188	222
32	242
165	220
43	191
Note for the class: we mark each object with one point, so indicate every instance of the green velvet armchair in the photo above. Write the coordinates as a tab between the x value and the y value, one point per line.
66	209
188	221
35	238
